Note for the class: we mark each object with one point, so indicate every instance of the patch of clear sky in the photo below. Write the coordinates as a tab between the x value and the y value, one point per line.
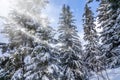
77	7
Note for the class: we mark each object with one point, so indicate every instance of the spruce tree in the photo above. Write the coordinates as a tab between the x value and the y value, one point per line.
109	22
20	45
71	50
44	58
32	56
91	51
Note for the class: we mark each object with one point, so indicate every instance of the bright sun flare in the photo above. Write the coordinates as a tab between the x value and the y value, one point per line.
4	7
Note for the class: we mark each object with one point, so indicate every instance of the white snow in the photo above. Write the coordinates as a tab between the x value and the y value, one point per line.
3	39
18	74
56	45
45	78
113	74
1	71
50	70
46	56
28	60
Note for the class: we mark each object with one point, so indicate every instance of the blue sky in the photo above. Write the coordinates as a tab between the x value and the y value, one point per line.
77	7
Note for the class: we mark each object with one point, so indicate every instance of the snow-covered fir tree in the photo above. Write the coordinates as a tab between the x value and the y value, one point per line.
71	50
92	52
18	40
29	35
44	58
109	21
